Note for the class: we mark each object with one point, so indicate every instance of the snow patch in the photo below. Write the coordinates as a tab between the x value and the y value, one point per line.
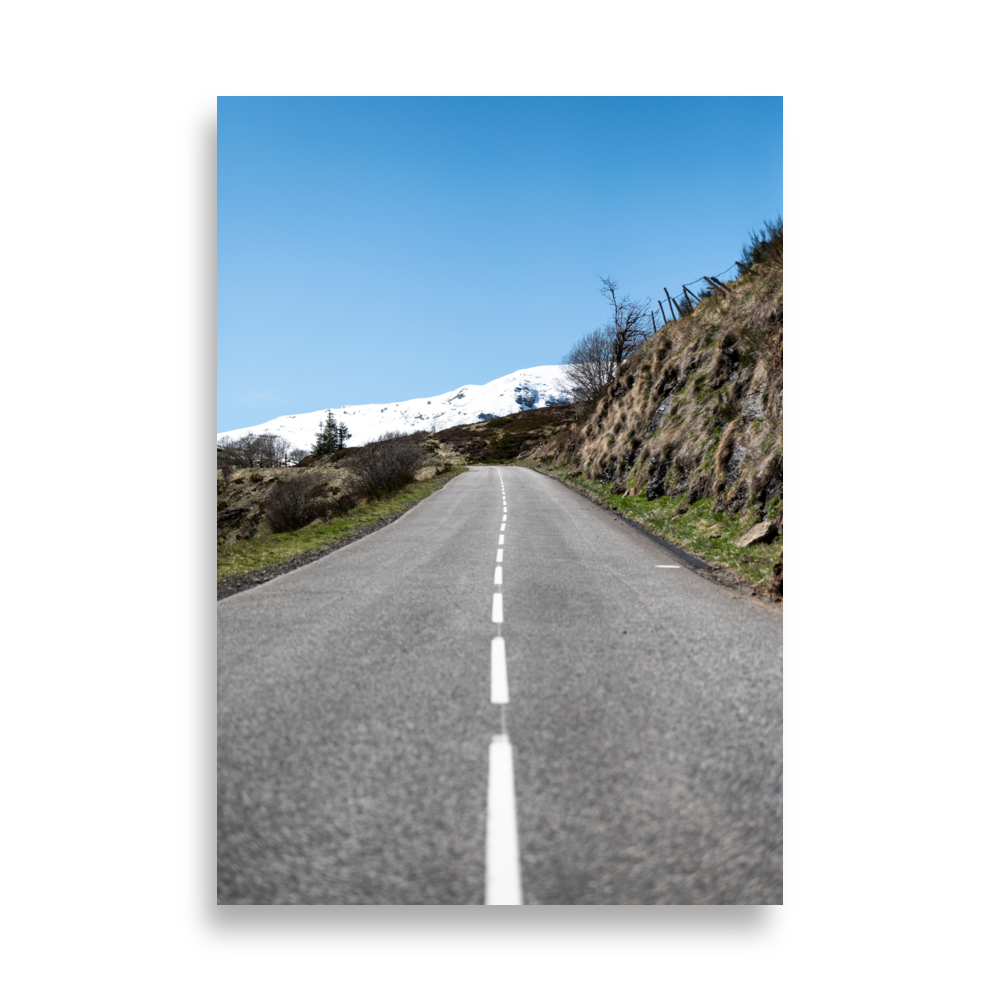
521	390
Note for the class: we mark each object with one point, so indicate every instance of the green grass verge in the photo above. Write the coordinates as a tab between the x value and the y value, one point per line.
237	558
702	532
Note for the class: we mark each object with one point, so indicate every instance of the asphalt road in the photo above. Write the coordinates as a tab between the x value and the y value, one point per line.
357	727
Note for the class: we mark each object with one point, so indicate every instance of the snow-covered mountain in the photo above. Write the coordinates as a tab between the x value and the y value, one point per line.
521	390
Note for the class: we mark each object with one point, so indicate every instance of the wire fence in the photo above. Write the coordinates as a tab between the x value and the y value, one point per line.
693	291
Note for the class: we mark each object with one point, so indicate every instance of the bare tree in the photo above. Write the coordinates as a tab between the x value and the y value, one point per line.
241	452
271	451
262	451
224	452
591	364
628	322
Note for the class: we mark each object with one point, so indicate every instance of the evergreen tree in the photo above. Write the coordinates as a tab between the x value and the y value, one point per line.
332	436
327	439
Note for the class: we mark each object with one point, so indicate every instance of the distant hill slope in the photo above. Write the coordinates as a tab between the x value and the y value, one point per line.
525	389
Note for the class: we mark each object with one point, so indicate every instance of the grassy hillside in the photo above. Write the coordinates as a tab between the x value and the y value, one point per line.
697	410
250	550
242	497
504	439
248	561
689	435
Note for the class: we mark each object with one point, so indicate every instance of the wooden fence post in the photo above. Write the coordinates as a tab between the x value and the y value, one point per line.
663	312
687	296
670	302
716	284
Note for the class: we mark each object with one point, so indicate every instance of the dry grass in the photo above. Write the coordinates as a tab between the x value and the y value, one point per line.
698	411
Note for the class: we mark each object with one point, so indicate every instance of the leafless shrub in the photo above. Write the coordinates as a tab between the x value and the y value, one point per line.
295	502
384	465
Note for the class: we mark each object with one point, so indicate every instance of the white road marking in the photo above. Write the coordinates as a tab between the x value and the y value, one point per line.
666	567
503	869
499	555
498	576
499	694
504	518
501	540
498	608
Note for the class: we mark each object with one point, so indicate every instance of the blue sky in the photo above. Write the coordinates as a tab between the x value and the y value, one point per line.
380	249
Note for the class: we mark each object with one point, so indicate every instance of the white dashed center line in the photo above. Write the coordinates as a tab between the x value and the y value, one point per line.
503	873
503	866
499	694
666	567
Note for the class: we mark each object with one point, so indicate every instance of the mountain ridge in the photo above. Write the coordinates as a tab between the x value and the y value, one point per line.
524	389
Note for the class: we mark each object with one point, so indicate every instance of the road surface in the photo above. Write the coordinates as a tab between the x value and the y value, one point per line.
506	696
